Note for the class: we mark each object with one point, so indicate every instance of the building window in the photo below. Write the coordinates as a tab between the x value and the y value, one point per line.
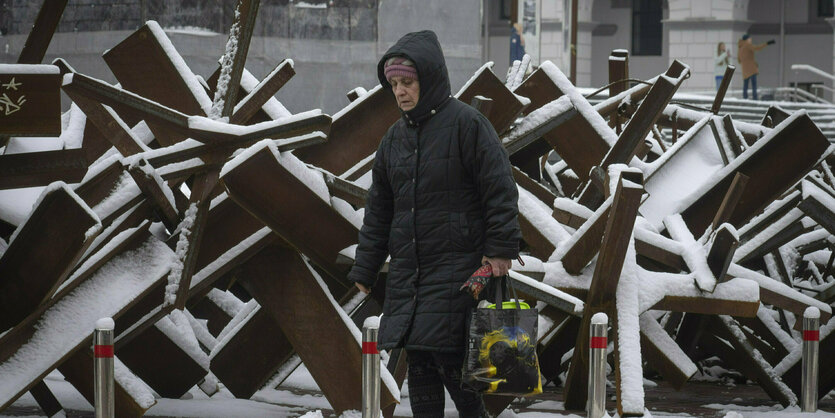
826	8
646	27
506	9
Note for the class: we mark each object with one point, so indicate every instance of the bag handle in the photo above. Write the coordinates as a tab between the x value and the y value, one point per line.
505	281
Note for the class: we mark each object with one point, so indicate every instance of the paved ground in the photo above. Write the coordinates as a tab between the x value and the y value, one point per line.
662	400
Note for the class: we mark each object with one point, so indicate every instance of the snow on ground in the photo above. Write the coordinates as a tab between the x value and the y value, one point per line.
298	396
739	411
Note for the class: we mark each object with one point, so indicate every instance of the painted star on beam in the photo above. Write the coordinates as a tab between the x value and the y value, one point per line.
11	85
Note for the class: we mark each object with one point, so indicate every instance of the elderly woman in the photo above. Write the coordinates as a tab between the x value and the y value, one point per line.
442	202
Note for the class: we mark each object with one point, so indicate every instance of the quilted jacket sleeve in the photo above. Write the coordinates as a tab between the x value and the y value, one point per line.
487	160
372	249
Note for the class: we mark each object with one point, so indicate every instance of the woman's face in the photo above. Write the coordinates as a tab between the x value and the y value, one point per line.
721	47
406	91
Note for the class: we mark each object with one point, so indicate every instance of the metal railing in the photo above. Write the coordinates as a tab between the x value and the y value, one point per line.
812	69
817	71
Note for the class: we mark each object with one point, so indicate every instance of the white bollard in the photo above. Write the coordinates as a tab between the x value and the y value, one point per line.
811	340
596	406
370	368
103	368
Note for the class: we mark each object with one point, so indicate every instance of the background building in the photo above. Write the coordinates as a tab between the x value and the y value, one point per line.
336	43
656	32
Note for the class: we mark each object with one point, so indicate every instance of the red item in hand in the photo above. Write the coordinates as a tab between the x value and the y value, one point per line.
478	280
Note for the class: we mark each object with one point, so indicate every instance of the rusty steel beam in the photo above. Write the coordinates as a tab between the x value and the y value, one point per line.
139	62
505	108
42	31
309	319
773	166
723	88
355	133
43	253
618	73
263	187
250	104
601	296
231	72
41	168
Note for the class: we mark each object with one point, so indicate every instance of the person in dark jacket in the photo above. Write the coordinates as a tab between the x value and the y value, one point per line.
442	202
517	43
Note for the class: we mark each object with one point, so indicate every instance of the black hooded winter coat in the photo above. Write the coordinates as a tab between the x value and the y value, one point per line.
442	196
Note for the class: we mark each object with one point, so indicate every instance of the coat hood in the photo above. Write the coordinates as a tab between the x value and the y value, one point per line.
425	51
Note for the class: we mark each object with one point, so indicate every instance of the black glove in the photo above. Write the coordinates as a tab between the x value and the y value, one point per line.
771	42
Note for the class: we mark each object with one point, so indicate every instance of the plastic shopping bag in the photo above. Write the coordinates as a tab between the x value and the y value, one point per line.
501	353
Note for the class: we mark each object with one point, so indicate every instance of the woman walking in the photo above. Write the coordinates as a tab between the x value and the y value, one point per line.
442	202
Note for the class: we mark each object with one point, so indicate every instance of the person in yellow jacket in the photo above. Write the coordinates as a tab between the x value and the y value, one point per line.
745	56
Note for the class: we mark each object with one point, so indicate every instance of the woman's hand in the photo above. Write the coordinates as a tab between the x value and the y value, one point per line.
500	265
362	288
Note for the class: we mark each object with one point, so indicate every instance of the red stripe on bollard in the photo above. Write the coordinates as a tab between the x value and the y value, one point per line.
369	348
103	351
598	342
811	335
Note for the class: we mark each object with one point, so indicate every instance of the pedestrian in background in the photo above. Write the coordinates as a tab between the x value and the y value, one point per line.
721	62
442	203
745	56
517	43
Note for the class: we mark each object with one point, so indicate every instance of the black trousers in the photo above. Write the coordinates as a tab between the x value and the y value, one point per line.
429	372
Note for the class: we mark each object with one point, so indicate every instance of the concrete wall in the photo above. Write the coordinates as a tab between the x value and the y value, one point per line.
327	67
16	16
458	25
552	42
499	53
